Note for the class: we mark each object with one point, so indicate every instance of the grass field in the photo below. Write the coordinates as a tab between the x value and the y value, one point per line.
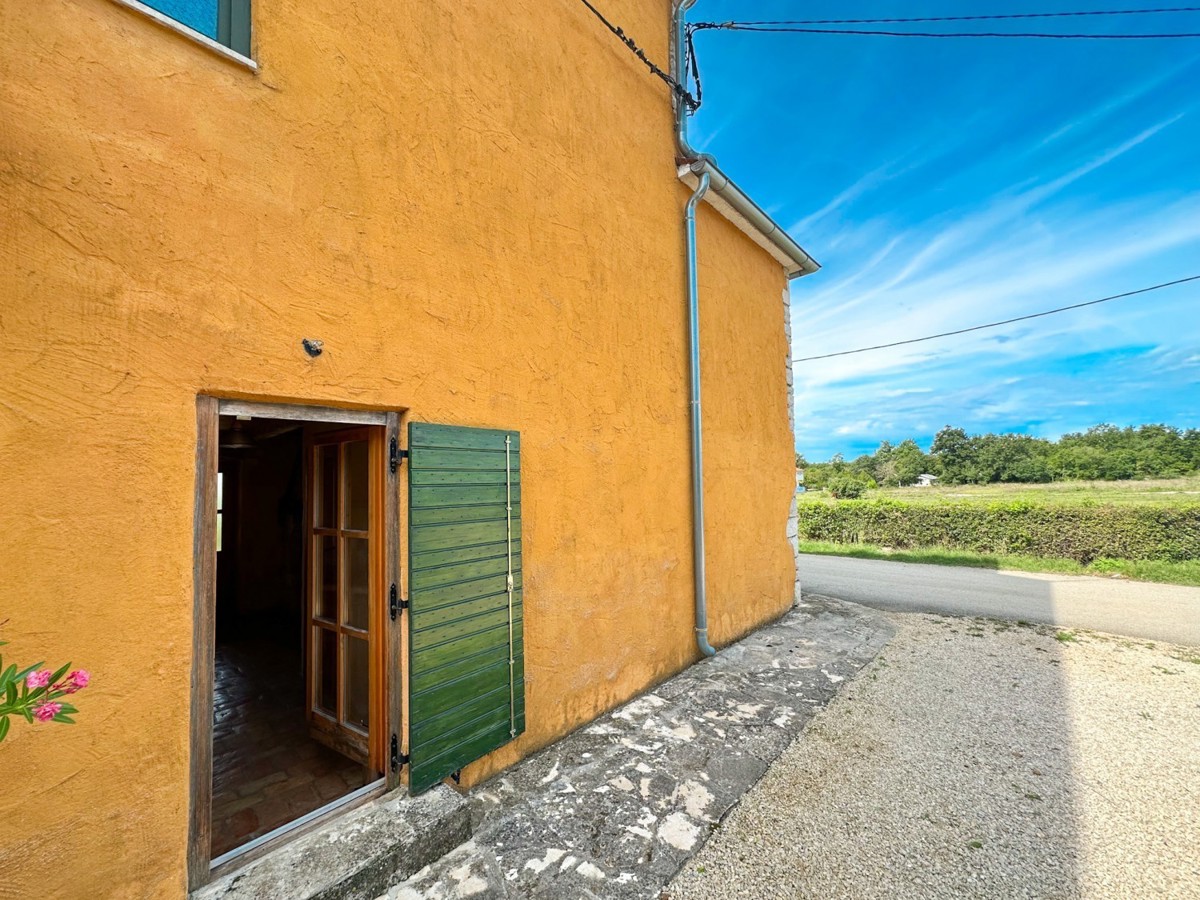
1173	492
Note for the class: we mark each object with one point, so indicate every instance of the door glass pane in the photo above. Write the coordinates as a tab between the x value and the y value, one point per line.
325	578
327	479
326	681
358	581
356	486
358	671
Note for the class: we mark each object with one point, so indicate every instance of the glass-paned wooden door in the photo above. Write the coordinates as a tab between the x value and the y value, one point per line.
344	590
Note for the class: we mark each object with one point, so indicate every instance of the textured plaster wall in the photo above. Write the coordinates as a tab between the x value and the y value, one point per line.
474	206
793	519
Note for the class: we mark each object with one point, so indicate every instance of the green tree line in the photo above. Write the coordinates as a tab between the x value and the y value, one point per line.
1102	453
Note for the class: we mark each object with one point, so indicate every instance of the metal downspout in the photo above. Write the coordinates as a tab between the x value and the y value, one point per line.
693	298
693	302
704	167
679	64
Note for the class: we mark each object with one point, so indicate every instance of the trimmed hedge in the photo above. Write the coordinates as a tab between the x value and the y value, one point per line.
1081	533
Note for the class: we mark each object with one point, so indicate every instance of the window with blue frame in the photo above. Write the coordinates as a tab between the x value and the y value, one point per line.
225	21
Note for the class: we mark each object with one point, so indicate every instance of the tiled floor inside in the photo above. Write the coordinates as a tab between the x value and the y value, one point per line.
267	771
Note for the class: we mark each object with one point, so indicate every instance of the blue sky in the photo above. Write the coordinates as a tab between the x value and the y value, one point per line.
947	183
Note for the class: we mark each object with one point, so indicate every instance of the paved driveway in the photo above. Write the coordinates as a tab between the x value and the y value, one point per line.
979	759
1159	612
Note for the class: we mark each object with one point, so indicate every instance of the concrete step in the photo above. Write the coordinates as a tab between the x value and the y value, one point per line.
357	856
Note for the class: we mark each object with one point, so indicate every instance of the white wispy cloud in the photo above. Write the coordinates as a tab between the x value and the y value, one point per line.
843	199
1035	248
943	188
1012	278
1102	112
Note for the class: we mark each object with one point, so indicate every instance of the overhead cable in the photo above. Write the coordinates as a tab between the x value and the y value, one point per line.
1049	312
694	67
772	29
978	18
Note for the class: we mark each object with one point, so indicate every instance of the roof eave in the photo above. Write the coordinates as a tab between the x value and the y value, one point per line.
732	203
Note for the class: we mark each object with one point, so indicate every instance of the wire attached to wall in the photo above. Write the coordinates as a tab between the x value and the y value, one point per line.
694	66
679	90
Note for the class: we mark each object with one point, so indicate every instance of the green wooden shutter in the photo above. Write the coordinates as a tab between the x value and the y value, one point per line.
233	25
466	659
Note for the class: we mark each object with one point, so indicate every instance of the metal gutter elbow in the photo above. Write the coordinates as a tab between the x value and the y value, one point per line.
732	203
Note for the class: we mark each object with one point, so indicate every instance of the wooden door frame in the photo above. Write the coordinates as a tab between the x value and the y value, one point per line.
209	409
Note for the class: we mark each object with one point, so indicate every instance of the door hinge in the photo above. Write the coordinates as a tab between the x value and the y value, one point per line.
395	604
398	759
395	455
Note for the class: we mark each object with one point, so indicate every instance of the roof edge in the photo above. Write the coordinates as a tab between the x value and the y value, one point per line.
732	203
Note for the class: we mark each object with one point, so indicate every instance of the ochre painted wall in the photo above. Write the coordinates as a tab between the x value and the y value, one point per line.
475	207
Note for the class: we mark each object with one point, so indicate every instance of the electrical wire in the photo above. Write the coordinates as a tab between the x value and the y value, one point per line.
678	89
737	26
1049	312
694	67
979	18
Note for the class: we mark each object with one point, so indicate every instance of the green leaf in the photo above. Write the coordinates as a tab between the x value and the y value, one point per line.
3	727
7	677
68	708
20	676
65	719
27	714
59	674
11	693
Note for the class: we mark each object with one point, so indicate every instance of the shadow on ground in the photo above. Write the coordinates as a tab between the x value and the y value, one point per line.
945	770
616	808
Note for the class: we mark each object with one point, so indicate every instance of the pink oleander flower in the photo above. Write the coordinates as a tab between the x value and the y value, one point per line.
38	679
78	680
44	712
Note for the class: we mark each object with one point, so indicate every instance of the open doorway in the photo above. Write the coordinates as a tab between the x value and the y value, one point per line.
299	685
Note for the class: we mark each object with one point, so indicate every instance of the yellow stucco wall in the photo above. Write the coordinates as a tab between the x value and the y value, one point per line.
474	206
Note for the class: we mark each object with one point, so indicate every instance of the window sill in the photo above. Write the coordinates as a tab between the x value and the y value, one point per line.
190	33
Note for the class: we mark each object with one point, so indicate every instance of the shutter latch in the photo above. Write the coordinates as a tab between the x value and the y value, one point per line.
395	604
395	455
398	759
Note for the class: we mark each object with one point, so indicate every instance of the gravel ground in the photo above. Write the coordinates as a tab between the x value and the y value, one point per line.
979	758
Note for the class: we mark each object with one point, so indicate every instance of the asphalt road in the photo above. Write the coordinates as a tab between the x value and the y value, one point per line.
1157	612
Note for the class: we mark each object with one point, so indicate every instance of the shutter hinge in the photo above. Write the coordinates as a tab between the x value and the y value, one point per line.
398	759
395	604
395	455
